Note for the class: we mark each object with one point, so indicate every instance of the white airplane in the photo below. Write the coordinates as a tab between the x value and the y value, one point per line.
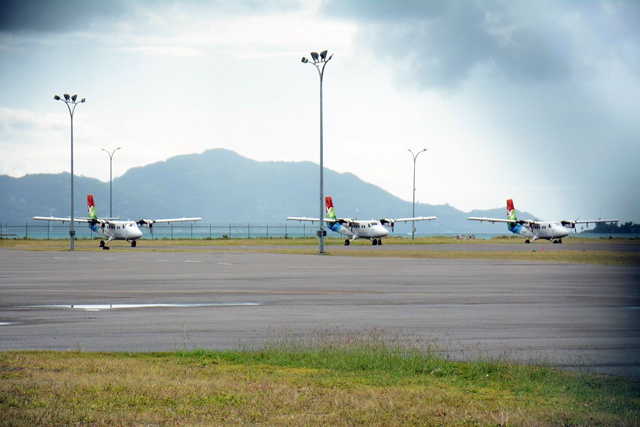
358	229
553	231
112	228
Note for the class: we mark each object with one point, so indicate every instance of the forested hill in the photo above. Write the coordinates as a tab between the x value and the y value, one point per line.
223	187
626	228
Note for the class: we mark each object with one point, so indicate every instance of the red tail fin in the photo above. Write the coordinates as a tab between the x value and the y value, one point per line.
510	206
330	212
328	202
91	207
511	213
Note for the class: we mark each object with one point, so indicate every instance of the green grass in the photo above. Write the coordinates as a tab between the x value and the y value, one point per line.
334	247
326	380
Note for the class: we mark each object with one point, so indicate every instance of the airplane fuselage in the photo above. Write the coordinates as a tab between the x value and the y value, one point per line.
548	230
359	229
118	230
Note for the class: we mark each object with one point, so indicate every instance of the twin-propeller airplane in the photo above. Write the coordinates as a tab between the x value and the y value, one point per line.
373	230
112	228
358	229
553	231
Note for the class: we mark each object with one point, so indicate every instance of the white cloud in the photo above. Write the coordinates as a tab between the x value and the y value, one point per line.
535	101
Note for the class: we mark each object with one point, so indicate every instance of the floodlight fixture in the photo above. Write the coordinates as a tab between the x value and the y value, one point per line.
74	97
66	97
314	55
56	97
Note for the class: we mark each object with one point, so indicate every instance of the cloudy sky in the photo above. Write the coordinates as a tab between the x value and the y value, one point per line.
535	101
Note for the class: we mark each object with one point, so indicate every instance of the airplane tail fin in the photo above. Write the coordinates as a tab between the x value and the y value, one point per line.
511	214
330	212
91	207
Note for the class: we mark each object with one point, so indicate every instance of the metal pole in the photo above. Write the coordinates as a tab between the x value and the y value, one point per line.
111	179
69	101
72	232
110	186
321	212
320	61
413	212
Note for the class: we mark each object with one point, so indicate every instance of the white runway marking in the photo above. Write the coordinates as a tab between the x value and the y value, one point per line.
99	307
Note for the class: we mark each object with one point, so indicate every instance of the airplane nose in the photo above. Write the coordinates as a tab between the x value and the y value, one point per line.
560	232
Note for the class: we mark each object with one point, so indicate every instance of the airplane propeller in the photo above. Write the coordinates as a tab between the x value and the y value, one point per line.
147	222
571	224
391	222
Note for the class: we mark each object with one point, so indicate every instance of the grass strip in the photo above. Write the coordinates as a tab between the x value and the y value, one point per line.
535	253
326	380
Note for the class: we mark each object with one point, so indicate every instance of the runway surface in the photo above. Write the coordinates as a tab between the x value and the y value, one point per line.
571	316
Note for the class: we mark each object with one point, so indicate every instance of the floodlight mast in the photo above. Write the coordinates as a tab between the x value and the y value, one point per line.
413	212
71	103
111	179
320	61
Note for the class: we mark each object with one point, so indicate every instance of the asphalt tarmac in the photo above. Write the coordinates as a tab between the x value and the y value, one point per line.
584	317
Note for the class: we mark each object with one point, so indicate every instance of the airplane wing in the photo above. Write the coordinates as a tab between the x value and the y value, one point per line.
67	219
572	224
392	222
492	220
418	218
150	222
302	218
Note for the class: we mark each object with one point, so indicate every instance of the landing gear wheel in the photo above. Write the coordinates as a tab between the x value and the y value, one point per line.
527	241
374	242
102	243
133	243
346	242
379	242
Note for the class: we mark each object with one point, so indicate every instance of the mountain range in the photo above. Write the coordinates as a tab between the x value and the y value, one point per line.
223	187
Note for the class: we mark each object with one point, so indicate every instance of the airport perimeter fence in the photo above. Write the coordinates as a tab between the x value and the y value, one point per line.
44	230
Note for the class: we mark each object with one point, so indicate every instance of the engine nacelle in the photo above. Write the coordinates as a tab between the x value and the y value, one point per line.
145	222
346	221
389	221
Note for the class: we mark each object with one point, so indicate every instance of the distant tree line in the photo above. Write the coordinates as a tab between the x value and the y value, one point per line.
608	228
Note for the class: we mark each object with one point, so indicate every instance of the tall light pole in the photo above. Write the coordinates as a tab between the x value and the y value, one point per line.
413	212
111	179
320	61
71	106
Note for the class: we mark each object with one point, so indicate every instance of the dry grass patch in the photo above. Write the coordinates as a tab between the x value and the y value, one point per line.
308	246
336	381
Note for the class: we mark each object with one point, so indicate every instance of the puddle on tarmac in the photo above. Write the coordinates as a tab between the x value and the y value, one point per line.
99	307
